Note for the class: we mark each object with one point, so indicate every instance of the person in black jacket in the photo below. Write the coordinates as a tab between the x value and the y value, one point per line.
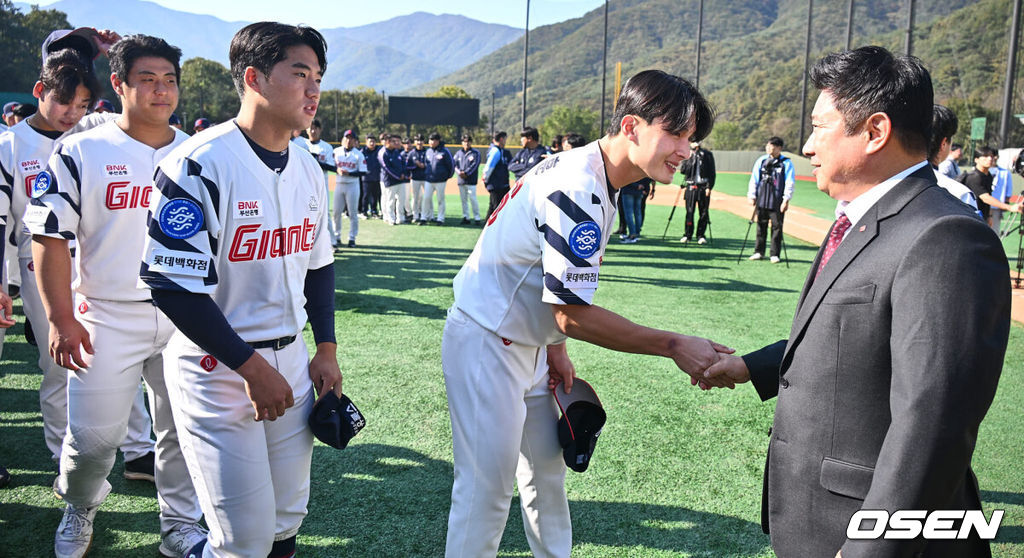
496	171
467	163
369	200
530	155
699	171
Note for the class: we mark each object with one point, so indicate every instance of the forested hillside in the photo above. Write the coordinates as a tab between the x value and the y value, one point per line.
752	57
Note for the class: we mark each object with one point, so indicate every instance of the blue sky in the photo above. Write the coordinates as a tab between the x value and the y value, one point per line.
350	13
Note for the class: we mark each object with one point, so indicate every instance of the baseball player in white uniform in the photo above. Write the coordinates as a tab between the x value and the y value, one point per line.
323	152
351	165
528	284
96	190
64	97
239	257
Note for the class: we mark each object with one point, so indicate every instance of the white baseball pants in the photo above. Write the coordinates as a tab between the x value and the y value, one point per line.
53	400
346	195
252	478
127	339
503	431
467	193
414	200
427	210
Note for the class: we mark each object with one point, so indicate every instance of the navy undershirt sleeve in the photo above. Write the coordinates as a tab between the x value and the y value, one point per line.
319	291
201	320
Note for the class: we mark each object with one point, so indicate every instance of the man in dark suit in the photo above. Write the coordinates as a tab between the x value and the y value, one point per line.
899	336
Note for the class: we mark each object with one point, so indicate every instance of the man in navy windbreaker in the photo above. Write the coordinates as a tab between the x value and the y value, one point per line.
439	168
467	162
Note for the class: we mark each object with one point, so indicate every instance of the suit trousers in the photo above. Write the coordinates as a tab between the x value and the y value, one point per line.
503	433
496	196
53	392
127	338
776	217
697	199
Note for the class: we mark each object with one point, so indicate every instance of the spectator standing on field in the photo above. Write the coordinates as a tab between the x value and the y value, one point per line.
416	162
530	155
467	163
439	168
496	171
949	167
699	172
771	186
369	203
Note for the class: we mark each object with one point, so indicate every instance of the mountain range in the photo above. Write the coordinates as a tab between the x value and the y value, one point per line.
395	54
752	56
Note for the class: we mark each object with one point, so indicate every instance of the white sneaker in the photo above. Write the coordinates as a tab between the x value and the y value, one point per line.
181	539
774	259
702	240
756	256
684	240
74	534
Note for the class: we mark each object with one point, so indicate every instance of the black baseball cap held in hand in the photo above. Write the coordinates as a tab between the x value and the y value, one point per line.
582	419
335	420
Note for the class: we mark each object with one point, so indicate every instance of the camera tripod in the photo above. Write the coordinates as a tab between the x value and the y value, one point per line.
675	204
750	223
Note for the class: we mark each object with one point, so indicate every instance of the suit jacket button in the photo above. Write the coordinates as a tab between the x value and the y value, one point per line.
784	383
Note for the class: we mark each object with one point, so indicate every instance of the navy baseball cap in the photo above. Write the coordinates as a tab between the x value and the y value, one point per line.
335	420
81	39
174	119
9	108
104	104
582	420
204	122
349	134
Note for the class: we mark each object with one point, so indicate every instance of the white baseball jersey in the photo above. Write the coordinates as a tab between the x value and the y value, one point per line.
100	185
221	218
24	153
351	160
322	151
543	245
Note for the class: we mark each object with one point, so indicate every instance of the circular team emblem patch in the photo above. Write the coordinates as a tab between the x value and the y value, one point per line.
585	239
31	266
41	184
208	362
83	308
181	218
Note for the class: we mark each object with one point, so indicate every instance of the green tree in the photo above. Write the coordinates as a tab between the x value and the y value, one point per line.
574	119
21	40
450	92
725	136
207	91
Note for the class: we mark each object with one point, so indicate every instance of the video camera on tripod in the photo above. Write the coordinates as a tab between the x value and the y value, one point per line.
1018	168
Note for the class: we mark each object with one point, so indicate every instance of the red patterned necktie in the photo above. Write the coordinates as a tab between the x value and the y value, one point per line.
840	227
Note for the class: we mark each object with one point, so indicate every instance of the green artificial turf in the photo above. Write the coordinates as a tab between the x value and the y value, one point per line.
677	471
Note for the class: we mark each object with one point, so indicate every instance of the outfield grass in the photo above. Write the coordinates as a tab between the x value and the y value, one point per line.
677	471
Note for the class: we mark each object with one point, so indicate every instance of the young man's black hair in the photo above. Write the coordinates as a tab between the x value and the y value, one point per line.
869	80
575	140
944	127
24	110
125	52
498	136
653	94
530	132
985	151
62	73
776	141
316	124
264	44
467	137
434	136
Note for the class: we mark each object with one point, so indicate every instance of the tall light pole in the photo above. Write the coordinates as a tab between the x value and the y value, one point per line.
849	27
700	28
1011	70
526	56
909	46
803	88
604	66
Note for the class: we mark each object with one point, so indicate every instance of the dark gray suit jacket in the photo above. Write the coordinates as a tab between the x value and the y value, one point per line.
891	364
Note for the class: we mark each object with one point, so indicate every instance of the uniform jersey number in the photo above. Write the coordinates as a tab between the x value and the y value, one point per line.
504	200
